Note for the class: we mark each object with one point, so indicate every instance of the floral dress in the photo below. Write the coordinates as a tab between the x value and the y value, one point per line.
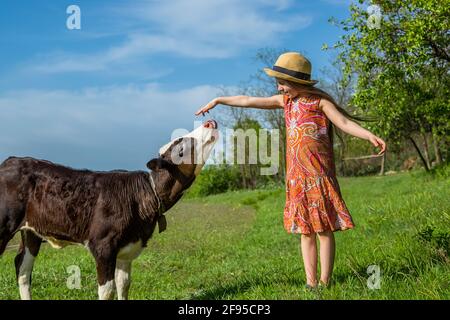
313	198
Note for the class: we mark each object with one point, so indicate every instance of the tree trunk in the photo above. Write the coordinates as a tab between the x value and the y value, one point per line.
383	160
251	176
420	154
255	175
425	150
437	152
244	182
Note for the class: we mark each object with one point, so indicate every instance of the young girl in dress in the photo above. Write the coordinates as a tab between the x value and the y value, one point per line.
314	205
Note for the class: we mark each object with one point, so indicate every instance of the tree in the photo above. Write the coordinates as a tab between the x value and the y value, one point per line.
340	86
261	85
249	169
402	71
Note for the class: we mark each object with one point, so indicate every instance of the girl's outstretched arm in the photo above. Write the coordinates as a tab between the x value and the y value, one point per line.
273	102
349	126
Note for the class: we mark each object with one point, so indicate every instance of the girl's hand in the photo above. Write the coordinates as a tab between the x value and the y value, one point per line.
378	142
207	107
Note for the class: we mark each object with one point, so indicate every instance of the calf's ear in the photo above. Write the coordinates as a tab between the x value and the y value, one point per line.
158	163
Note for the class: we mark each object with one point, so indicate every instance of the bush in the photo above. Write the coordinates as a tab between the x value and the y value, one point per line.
214	179
438	239
442	171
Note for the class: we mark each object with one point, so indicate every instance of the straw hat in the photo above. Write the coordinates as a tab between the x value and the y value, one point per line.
292	66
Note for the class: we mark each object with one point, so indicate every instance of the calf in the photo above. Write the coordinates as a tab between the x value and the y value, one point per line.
113	214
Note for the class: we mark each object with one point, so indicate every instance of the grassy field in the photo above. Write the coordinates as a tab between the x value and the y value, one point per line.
233	246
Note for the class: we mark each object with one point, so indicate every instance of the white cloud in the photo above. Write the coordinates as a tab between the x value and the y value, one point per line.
221	25
118	61
189	28
103	128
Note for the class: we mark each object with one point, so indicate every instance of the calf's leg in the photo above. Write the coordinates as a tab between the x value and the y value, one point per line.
10	219
24	261
123	278
105	276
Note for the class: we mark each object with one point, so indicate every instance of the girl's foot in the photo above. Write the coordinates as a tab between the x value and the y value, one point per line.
324	285
310	288
313	291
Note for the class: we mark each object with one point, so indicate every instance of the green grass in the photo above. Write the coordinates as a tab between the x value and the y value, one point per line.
233	246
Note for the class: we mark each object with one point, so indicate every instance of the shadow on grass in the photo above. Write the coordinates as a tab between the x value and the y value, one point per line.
240	286
353	278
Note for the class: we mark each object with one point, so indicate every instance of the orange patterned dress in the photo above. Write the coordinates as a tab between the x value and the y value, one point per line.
313	198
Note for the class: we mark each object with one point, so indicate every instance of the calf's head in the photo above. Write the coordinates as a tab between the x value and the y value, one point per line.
183	158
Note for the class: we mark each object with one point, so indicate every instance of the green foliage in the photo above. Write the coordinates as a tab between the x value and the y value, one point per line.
438	239
214	179
401	66
250	172
442	171
219	178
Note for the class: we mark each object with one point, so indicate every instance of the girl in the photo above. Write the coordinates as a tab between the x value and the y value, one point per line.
314	205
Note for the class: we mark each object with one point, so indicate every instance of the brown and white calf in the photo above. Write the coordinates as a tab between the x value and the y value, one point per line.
113	214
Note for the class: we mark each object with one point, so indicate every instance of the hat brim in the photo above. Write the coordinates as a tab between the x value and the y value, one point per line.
276	74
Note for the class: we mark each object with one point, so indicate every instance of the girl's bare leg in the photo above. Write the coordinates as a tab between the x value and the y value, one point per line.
327	252
309	253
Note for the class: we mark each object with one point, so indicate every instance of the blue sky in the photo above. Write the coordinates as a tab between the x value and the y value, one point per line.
109	95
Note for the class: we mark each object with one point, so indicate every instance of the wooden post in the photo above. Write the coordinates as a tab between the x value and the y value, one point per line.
383	159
